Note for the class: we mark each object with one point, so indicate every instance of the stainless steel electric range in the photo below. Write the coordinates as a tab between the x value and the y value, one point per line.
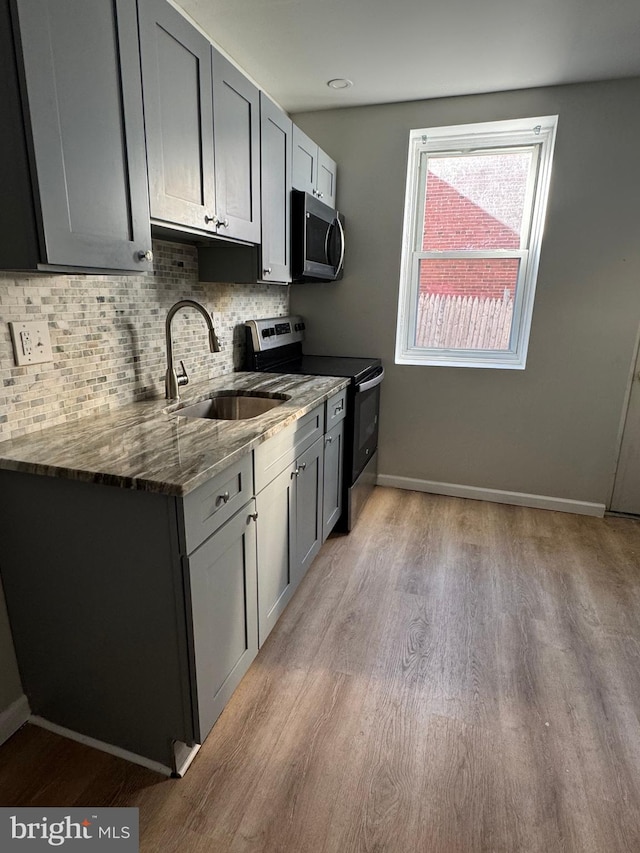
276	346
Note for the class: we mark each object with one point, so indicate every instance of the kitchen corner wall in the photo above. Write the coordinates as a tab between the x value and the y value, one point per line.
552	429
108	336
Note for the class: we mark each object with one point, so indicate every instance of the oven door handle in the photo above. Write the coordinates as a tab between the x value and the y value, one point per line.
371	383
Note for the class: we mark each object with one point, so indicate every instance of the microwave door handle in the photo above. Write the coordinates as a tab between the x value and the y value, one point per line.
371	383
326	242
341	261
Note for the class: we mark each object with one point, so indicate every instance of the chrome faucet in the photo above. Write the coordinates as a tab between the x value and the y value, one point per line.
172	380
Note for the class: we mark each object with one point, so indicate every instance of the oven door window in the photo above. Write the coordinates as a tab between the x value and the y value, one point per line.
367	404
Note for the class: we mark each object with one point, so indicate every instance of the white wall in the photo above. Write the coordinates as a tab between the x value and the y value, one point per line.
553	428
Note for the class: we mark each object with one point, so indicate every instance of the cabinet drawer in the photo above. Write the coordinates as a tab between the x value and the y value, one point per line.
336	409
210	505
272	456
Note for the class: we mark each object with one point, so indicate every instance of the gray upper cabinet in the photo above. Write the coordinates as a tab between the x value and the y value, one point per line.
203	131
72	154
236	114
313	170
276	149
177	83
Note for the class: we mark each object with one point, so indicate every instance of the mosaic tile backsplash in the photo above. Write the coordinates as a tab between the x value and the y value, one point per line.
108	336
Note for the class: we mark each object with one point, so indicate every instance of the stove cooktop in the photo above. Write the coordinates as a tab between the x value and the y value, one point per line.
275	346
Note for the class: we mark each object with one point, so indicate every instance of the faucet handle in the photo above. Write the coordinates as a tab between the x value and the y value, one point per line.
183	378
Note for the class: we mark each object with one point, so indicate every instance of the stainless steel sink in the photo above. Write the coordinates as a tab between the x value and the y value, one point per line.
233	406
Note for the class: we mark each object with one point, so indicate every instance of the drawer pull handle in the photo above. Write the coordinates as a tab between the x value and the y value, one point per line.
338	409
222	499
329	439
252	516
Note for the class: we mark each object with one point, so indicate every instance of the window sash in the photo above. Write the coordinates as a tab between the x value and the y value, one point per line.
529	196
537	134
445	353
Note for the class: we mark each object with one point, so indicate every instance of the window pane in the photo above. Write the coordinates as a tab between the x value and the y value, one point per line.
475	201
466	303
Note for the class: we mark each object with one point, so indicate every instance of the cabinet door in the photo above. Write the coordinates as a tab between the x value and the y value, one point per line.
276	546
82	86
177	84
308	507
236	112
326	182
222	581
275	156
305	162
332	494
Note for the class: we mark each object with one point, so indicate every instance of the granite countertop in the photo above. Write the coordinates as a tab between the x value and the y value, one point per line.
148	446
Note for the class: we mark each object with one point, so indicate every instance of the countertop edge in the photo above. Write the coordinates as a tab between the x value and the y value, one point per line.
21	460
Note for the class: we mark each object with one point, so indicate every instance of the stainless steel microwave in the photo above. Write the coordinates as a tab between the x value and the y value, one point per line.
317	239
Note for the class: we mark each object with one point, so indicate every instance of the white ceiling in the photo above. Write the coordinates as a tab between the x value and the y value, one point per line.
413	49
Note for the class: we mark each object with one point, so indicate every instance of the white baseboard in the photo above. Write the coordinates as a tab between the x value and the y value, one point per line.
494	495
104	747
13	717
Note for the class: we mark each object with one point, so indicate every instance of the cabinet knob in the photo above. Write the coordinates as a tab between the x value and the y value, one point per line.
222	499
320	195
223	223
211	219
253	516
267	270
329	439
145	255
295	473
303	465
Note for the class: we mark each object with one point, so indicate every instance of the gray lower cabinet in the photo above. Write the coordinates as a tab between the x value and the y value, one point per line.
288	477
96	603
221	607
332	492
289	533
134	615
309	480
276	524
72	152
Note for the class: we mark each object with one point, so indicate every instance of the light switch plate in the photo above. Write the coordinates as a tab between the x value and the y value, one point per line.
31	342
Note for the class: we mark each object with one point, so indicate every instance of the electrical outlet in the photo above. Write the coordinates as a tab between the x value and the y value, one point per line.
31	342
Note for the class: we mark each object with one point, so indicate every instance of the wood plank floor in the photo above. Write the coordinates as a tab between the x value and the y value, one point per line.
454	676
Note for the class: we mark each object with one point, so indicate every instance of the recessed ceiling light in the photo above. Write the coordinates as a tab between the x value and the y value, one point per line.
339	83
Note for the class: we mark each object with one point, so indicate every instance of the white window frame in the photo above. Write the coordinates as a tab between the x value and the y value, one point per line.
537	133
